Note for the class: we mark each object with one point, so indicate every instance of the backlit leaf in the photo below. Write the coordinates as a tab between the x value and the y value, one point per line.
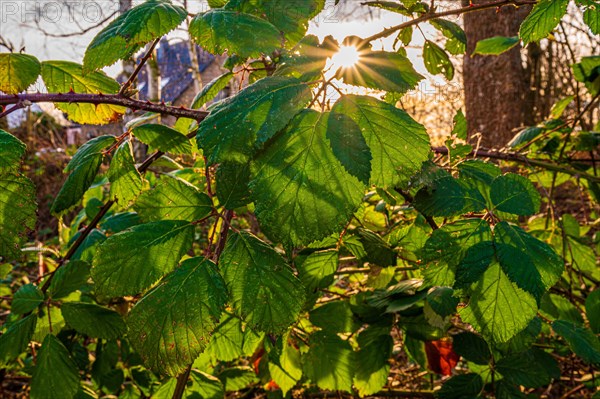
163	138
245	35
131	261
173	323
240	125
544	17
129	32
301	191
498	309
17	72
263	288
398	144
65	77
173	199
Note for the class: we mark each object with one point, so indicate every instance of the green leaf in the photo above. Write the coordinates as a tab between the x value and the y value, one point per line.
93	320
588	72
17	212
592	310
496	45
26	299
230	341
237	378
515	194
498	309
55	375
131	261
475	263
125	181
65	76
316	270
457	39
238	33
17	72
523	340
520	269
15	339
558	109
297	200
581	340
240	125
89	150
532	369
83	168
437	61
329	362
124	36
211	89
448	196
290	19
372	370
531	256
461	386
205	385
447	247
525	136
334	317
68	278
542	20
263	288
172	324
349	146
398	144
119	222
377	250
460	125
591	17
173	199
381	70
558	307
472	347
11	150
442	301
163	138
285	365
232	184
405	35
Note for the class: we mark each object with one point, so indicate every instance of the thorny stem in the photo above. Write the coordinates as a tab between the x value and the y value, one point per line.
99	98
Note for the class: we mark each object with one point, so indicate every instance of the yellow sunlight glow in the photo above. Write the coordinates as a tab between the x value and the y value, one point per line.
346	57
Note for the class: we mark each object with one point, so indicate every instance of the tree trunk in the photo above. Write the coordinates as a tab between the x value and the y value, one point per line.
497	92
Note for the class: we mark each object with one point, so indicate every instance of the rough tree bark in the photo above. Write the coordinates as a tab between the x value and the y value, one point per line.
497	92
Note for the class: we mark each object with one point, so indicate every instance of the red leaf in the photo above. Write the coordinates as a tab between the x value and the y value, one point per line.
440	356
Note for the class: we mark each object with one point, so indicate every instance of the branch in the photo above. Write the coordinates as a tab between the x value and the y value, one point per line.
114	99
458	11
508	156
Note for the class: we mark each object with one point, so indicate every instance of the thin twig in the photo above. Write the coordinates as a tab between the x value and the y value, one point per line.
433	15
518	158
139	67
